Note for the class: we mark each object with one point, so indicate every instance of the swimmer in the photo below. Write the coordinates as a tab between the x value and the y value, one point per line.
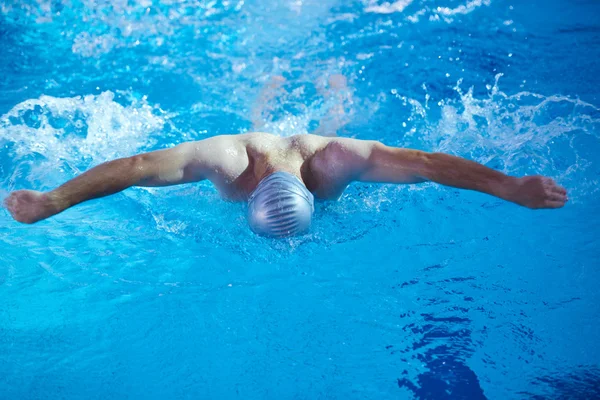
279	177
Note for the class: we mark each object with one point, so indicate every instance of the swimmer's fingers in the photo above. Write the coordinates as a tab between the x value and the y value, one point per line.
550	184
560	190
9	201
557	197
554	204
554	191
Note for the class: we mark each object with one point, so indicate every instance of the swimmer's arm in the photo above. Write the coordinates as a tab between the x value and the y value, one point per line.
267	94
177	165
396	165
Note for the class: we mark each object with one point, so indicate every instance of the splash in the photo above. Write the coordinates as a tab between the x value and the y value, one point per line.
467	8
522	133
440	13
388	8
79	130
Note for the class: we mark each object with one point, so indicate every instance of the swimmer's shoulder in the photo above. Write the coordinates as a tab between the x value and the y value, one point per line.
332	148
261	141
213	150
226	140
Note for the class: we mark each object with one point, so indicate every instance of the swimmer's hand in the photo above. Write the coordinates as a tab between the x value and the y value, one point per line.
538	192
29	206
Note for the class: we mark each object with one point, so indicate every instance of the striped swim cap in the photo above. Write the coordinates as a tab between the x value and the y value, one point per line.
280	206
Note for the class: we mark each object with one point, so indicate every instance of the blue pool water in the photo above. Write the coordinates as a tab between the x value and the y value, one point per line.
406	292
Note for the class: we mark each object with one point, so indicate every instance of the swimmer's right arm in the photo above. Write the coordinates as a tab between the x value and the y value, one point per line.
180	164
412	166
371	161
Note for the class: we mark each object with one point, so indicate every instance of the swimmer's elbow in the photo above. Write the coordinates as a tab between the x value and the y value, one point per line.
167	167
141	169
428	166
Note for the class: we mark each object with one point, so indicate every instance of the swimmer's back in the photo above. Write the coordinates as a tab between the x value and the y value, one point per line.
236	163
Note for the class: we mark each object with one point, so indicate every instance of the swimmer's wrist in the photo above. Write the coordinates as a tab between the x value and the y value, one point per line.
509	189
55	203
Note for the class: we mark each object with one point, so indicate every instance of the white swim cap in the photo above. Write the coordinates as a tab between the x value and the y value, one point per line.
280	206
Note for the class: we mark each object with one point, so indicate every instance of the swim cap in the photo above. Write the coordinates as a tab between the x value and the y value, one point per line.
280	206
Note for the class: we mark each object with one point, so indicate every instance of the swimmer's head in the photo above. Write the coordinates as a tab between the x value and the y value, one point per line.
280	206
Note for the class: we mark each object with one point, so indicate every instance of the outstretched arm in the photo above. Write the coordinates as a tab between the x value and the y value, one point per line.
376	162
180	164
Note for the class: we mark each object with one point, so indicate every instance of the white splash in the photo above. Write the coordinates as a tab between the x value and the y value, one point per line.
92	127
88	45
388	8
522	133
467	8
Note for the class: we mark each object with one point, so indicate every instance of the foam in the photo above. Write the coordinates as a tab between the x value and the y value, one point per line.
388	8
467	8
440	13
80	130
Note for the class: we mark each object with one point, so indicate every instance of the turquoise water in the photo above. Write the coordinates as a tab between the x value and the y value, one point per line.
397	292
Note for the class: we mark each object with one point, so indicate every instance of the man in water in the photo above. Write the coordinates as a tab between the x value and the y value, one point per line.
278	177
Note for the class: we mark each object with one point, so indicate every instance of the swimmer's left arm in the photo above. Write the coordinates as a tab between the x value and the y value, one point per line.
396	165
